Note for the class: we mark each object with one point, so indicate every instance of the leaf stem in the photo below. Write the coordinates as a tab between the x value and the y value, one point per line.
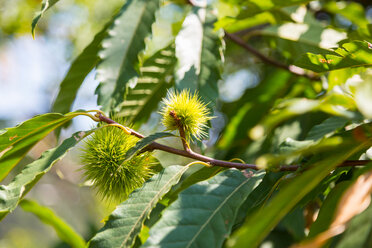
212	161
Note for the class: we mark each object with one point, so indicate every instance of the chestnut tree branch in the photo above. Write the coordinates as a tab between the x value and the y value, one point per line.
291	68
215	162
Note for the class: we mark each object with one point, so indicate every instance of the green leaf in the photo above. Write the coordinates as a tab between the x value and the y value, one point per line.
192	177
328	208
204	214
46	4
296	39
11	195
125	223
350	10
17	141
196	173
232	25
339	77
253	106
64	231
145	142
79	69
326	128
253	7
333	103
353	54
359	231
259	196
120	50
156	77
259	224
200	67
363	96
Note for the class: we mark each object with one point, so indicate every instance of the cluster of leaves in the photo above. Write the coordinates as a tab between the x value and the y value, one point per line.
310	107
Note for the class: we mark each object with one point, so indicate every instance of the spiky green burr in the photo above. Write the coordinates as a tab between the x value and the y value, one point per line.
185	110
102	158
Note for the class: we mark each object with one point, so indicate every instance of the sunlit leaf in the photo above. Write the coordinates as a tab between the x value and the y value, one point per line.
120	50
17	141
296	39
156	77
353	54
199	67
339	77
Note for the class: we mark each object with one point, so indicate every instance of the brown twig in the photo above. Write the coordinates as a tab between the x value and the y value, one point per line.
251	29
291	68
216	162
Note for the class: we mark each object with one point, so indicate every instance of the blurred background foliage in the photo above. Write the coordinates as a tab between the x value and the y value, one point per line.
30	72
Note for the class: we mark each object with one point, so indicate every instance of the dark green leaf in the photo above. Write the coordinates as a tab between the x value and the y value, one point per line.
326	128
125	223
46	4
196	173
11	195
259	196
144	142
191	177
203	214
359	231
120	50
294	222
327	211
257	227
64	231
